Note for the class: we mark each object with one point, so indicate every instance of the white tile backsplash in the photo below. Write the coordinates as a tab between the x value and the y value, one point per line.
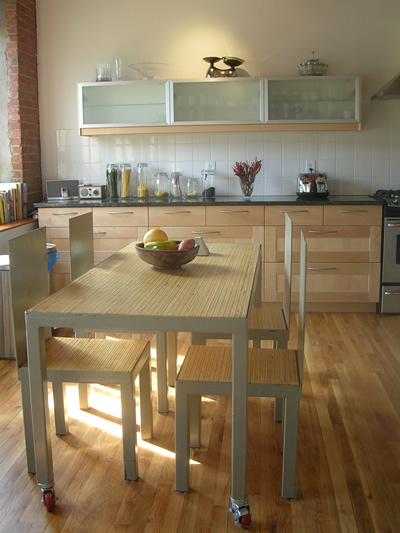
355	162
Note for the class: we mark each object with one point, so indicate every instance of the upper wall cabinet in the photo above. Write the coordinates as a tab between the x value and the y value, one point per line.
316	99
315	103
217	101
120	104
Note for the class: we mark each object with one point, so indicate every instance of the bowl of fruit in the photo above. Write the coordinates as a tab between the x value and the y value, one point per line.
161	252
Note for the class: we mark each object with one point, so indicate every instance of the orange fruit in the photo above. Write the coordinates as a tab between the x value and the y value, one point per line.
154	235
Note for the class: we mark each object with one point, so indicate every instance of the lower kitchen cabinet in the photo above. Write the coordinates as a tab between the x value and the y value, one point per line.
343	255
344	243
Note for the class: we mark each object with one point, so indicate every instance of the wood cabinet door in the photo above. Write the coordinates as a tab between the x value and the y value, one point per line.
177	216
59	216
235	215
300	215
353	215
120	216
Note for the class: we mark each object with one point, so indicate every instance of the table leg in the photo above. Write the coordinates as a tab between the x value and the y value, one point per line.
172	347
240	341
40	407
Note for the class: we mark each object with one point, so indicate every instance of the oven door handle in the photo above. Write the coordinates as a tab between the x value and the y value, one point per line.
387	293
393	224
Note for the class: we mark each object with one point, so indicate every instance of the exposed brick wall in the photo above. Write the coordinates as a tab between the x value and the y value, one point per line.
23	107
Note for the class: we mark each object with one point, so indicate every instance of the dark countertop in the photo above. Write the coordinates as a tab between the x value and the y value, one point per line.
220	200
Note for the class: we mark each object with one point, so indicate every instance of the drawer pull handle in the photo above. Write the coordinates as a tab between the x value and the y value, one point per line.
297	211
175	212
234	211
320	268
204	232
119	212
71	213
353	211
321	231
99	232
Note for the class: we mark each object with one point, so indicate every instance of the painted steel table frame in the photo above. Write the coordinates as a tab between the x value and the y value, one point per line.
213	293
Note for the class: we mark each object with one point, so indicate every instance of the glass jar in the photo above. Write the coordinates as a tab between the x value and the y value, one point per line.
124	181
161	184
142	186
191	187
175	184
208	183
112	180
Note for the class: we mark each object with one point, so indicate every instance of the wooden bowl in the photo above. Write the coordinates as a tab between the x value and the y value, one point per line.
166	258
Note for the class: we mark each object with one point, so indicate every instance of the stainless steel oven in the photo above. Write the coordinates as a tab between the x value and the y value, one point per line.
390	276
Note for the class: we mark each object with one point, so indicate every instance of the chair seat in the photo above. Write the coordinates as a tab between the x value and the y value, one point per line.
214	364
93	355
267	319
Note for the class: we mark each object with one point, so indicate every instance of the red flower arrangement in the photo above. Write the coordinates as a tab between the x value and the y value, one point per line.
247	175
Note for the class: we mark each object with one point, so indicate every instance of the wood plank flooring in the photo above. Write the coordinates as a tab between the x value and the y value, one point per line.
348	476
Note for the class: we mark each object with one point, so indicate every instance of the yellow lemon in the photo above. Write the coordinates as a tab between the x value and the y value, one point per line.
155	234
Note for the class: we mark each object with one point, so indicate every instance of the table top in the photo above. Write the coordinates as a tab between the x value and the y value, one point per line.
217	286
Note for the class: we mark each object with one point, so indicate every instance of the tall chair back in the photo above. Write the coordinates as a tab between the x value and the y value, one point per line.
29	286
287	290
81	247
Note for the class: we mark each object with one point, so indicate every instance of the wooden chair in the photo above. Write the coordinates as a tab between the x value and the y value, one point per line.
81	248
271	373
268	323
77	360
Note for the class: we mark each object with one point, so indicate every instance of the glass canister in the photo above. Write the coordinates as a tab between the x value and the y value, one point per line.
208	183
161	184
175	184
124	181
191	187
142	186
112	180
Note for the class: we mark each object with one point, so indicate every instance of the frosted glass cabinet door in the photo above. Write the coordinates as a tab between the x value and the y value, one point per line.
313	99
108	104
212	101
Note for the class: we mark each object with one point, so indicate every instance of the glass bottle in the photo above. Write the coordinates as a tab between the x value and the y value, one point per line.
208	183
124	181
112	180
142	187
161	184
191	187
175	184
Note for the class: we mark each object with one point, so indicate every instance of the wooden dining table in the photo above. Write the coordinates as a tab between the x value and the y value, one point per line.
213	293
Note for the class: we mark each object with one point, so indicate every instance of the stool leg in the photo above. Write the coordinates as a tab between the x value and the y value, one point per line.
60	408
128	411
195	420
146	408
181	440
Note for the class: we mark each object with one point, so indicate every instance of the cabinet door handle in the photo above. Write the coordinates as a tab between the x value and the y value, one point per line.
99	232
291	211
60	214
119	212
322	231
175	212
204	232
353	211
234	211
321	268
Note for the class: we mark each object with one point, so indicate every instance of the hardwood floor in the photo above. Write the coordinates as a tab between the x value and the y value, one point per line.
348	476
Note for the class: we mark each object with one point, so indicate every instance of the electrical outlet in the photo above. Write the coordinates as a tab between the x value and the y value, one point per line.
310	163
210	165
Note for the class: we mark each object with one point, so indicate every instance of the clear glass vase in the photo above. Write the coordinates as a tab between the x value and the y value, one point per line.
247	188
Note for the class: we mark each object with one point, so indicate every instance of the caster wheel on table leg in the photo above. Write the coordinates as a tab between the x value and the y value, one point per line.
49	500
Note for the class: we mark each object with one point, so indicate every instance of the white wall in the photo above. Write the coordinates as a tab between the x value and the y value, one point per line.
272	36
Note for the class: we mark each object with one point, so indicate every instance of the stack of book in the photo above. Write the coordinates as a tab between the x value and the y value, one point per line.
12	202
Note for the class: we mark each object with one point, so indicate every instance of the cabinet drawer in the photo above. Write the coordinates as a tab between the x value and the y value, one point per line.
300	215
254	234
59	216
235	216
120	216
326	282
177	216
357	215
